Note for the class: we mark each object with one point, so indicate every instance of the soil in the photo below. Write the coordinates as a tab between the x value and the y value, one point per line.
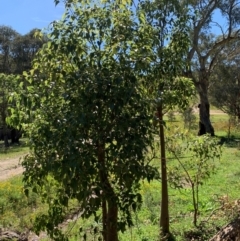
10	167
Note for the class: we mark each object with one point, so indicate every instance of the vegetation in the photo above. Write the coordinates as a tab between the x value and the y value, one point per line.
207	46
217	202
17	51
93	102
224	92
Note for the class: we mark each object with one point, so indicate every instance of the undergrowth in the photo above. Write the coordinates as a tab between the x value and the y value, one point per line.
219	202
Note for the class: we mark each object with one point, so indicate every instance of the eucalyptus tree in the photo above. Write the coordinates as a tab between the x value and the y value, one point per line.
225	81
206	44
158	51
7	36
24	49
87	113
166	21
88	123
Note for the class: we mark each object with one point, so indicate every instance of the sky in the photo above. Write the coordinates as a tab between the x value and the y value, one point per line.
24	15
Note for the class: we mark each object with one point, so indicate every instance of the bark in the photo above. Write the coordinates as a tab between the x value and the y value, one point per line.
205	125
164	218
104	219
112	234
228	233
109	205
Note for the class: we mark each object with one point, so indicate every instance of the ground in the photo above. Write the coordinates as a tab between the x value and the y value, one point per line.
10	167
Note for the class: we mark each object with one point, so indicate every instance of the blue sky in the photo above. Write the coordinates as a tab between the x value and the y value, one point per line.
24	15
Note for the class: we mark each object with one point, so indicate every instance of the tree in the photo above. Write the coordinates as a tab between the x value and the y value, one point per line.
24	50
7	36
225	87
81	108
205	47
8	84
85	101
17	51
168	41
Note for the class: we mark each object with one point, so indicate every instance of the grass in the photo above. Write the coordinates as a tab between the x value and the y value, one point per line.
217	201
13	150
16	210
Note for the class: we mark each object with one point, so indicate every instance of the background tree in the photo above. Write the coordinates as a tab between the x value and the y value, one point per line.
17	51
24	50
7	36
8	84
205	47
225	81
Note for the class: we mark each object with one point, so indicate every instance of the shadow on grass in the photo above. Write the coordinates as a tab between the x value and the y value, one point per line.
200	234
230	141
13	148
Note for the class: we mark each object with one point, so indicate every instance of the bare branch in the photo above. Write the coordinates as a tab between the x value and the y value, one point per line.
197	28
222	43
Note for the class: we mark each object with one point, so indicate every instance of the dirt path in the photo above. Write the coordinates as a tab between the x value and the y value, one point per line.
10	167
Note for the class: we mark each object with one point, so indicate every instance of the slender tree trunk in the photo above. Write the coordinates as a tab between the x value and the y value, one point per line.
104	219
164	218
101	160
109	205
205	125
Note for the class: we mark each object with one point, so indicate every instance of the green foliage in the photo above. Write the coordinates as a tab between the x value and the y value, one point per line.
88	123
85	107
17	51
15	208
189	118
195	168
8	84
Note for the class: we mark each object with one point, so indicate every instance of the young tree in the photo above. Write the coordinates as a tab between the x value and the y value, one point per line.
205	46
166	21
90	121
88	124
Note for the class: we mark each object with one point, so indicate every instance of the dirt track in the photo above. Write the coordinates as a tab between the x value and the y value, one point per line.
10	167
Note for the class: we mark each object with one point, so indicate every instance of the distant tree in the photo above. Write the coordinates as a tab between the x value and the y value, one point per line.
225	81
17	51
8	84
7	36
205	46
24	50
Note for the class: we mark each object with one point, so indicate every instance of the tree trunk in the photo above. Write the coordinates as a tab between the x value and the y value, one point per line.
205	125
104	219
6	143
109	205
112	234
164	218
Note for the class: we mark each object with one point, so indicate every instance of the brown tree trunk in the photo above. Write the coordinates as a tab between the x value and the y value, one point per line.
104	219
164	218
109	205
112	234
205	125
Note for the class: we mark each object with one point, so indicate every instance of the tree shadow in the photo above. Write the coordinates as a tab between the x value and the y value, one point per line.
230	141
